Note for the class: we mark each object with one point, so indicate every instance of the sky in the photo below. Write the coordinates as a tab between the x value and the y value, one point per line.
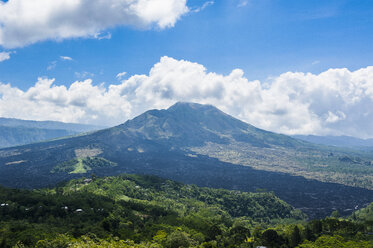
288	66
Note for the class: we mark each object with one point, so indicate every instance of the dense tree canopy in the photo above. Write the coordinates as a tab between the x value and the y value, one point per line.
147	211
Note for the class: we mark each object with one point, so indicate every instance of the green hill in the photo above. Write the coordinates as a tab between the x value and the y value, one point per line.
138	208
147	211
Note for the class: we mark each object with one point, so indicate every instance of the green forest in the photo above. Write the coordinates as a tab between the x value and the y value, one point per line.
147	211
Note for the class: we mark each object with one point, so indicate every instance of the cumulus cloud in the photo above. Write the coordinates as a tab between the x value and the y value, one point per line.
337	101
24	22
4	56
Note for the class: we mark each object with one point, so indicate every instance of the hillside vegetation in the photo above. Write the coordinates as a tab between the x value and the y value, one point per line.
147	211
138	208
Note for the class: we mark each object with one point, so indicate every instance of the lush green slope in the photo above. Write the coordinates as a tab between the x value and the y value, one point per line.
364	215
137	208
147	211
82	165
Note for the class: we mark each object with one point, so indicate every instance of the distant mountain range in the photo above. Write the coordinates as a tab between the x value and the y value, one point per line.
15	132
339	141
199	144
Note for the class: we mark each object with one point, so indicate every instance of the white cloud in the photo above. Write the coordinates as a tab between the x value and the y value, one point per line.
4	56
204	6
103	36
66	58
121	75
24	22
337	101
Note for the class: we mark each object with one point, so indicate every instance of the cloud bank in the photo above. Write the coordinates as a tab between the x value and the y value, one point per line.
24	22
337	101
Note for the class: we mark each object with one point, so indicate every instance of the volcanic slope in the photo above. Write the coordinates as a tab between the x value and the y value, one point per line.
200	144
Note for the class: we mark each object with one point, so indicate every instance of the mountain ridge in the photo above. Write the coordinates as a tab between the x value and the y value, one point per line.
77	127
17	132
199	123
197	144
338	141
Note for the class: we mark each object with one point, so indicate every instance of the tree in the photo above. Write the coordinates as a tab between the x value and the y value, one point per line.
335	214
93	177
239	234
212	232
3	243
178	239
308	233
316	227
295	237
270	238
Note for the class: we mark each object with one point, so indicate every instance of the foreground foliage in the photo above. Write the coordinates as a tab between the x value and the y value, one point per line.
138	208
147	211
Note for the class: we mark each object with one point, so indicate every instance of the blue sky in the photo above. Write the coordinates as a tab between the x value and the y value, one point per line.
267	62
263	37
